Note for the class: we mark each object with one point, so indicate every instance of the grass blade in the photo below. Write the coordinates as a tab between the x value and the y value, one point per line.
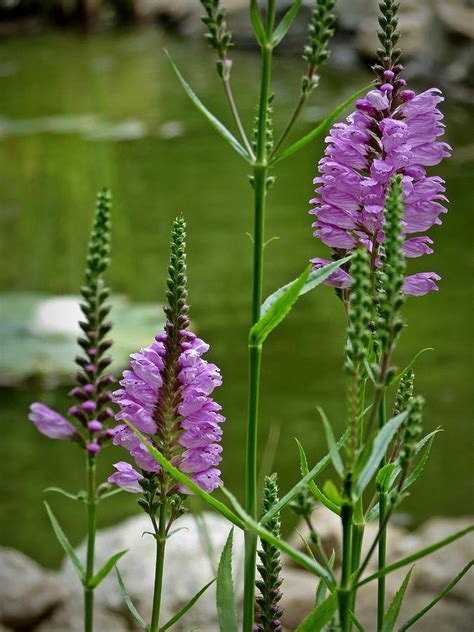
106	568
81	496
379	447
64	542
438	597
317	493
416	556
320	129
331	441
322	588
216	124
393	611
320	615
128	601
187	607
257	23
225	599
287	20
278	310
185	480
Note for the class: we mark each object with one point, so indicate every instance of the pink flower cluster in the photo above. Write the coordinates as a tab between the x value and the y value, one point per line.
391	132
198	417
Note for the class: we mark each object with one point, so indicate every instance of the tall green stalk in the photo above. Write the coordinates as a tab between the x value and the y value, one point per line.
345	589
160	537
91	528
382	545
260	172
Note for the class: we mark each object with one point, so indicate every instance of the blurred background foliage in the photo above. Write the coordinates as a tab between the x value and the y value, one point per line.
82	111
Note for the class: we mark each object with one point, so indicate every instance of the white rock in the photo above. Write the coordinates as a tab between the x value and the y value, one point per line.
27	591
187	568
58	315
71	619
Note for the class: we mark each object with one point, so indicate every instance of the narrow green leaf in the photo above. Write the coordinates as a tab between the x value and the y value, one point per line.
225	599
111	492
332	492
287	20
385	477
59	490
415	473
278	310
356	622
393	611
185	480
128	601
106	568
187	607
320	615
320	129
216	124
317	493
257	23
301	484
399	375
322	586
64	542
315	278
416	556
438	597
379	447
331	441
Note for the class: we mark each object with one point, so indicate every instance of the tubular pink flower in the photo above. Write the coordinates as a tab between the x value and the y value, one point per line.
50	423
126	477
391	132
195	447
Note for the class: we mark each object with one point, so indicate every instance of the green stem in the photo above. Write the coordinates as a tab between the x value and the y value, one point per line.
91	527
160	536
382	546
345	590
260	170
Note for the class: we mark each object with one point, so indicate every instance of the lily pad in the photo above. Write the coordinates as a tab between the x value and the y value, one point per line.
39	334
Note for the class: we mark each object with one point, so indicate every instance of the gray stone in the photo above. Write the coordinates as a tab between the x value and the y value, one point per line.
70	618
27	591
187	568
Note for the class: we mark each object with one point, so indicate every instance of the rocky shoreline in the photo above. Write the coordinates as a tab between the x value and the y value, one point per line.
40	600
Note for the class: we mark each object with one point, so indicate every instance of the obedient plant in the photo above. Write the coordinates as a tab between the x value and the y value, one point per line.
374	198
89	418
166	395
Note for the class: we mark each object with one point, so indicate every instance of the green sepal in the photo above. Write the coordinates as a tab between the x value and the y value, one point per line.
128	601
64	542
106	568
225	599
185	608
216	124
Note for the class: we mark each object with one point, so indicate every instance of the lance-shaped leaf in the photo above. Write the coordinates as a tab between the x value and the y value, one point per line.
106	568
185	480
303	560
379	447
393	611
315	278
320	616
400	374
287	20
331	441
408	624
81	496
187	607
319	130
216	124
225	599
317	493
277	311
128	601
257	23
416	556
322	588
288	497
64	542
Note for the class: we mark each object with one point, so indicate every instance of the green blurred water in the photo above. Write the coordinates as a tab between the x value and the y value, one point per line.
82	112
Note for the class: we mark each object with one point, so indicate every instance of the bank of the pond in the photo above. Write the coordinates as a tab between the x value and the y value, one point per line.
78	113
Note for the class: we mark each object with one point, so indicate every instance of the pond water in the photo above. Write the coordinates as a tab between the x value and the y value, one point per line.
78	113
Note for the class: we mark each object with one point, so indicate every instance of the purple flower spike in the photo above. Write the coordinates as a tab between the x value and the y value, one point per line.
126	477
50	423
392	132
198	452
